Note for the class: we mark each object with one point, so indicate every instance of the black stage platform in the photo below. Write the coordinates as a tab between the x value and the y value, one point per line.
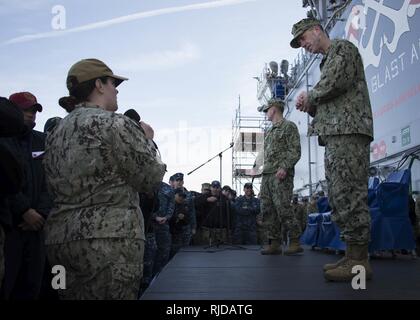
228	273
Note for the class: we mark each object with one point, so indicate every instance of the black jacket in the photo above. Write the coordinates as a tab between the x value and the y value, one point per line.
28	149
175	224
11	169
217	214
11	119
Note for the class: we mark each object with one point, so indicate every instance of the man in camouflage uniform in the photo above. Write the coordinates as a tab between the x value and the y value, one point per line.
96	163
191	229
148	204
160	220
247	207
281	153
342	113
180	222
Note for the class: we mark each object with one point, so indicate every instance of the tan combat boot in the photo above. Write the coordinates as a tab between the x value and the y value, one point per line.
272	248
357	255
330	266
294	247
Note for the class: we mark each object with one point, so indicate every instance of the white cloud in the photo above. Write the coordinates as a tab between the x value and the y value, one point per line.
127	18
160	59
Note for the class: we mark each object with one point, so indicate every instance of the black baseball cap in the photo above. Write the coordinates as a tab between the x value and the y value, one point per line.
215	184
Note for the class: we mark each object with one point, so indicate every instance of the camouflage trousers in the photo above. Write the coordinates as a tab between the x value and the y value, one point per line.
2	239
213	236
346	171
301	216
245	231
150	250
100	269
278	215
262	238
163	242
180	240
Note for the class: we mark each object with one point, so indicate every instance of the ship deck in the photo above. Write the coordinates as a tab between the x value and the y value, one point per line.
242	273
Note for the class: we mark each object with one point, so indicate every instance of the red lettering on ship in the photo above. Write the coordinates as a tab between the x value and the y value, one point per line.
413	91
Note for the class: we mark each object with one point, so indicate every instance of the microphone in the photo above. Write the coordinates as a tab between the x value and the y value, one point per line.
132	114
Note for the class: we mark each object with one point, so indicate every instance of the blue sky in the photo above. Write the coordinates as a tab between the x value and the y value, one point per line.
187	61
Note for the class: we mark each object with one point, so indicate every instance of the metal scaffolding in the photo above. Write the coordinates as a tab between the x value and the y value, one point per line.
248	138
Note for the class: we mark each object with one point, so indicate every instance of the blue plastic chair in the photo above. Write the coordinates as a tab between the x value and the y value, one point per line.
390	224
329	234
323	205
310	235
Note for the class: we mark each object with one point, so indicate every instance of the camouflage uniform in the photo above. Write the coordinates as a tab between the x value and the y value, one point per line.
180	228
187	234
343	120
247	209
312	207
162	232
281	150
148	203
150	249
300	214
96	162
261	232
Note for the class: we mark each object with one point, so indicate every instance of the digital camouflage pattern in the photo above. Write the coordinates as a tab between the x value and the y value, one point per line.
346	170
150	250
246	210
341	96
278	215
162	232
100	269
193	219
300	214
299	29
96	162
180	228
312	206
281	150
343	121
262	238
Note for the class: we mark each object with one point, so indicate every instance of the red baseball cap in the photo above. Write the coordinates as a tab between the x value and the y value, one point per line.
25	100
